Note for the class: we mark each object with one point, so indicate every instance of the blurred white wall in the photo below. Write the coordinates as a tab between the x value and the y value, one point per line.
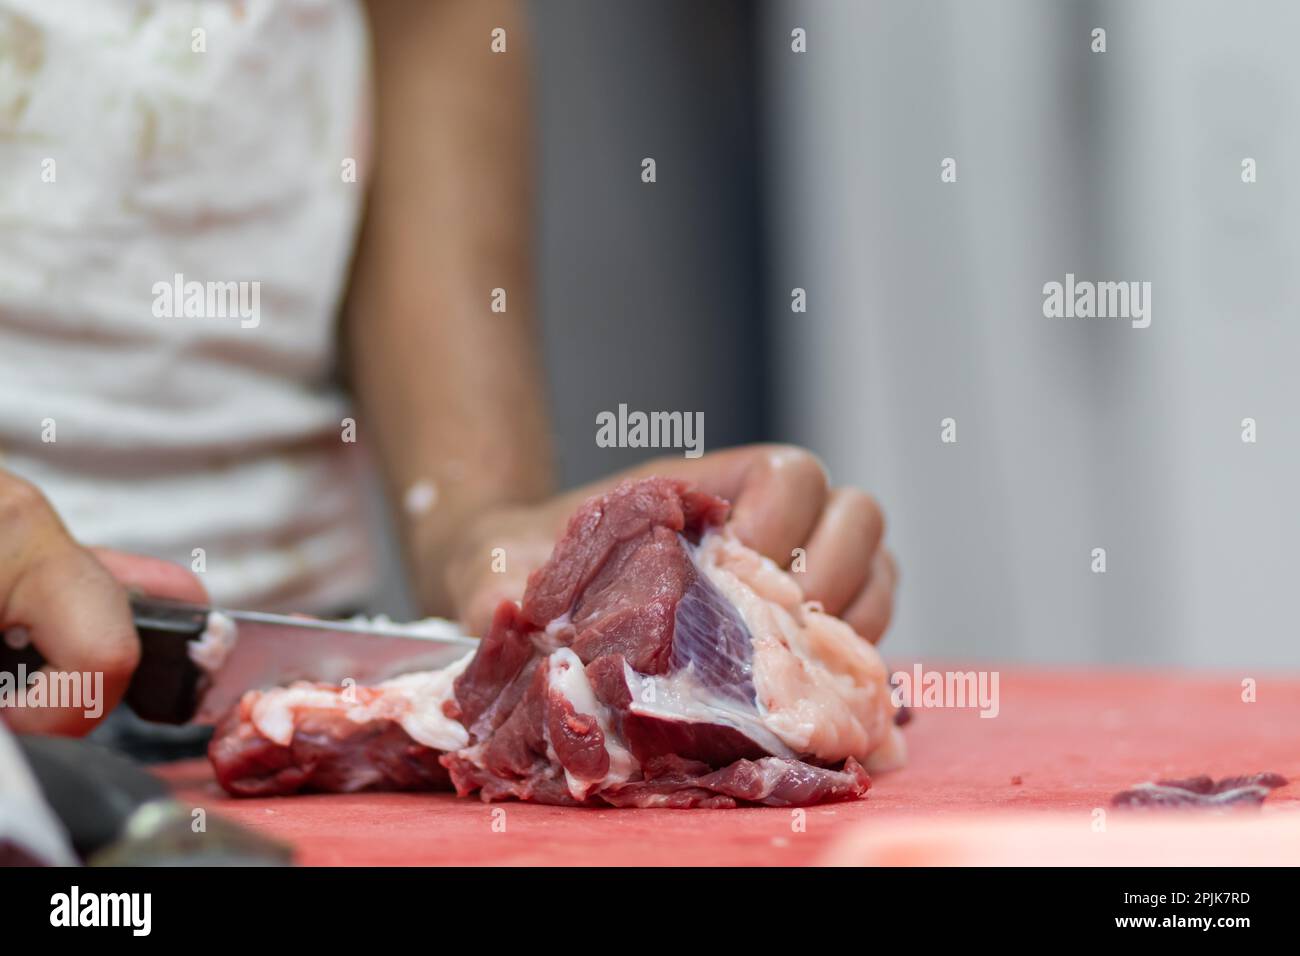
925	301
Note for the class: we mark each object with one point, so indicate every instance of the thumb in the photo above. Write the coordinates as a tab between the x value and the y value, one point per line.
152	576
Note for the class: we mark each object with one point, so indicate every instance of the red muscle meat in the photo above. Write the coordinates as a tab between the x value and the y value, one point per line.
653	661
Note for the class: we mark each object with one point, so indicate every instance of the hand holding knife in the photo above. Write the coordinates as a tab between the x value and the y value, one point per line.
187	674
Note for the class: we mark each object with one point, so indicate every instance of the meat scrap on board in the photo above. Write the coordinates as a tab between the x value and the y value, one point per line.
654	661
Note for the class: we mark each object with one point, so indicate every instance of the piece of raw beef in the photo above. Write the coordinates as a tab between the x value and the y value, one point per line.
653	661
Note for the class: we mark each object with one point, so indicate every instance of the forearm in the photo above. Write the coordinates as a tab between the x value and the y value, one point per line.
449	391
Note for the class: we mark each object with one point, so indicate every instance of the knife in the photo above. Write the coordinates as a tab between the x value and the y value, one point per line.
186	675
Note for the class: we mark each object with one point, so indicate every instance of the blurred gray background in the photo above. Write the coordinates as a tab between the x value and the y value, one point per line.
821	170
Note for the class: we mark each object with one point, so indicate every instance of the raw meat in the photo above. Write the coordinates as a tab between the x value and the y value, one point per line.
1203	791
322	738
653	661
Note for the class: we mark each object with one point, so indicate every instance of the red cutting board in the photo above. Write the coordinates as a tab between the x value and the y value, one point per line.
1070	739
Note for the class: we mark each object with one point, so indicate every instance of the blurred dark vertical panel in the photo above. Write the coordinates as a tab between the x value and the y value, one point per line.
649	292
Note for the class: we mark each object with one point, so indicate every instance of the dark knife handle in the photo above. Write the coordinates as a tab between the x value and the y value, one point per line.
167	685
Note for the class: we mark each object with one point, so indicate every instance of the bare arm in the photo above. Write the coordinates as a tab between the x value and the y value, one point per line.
449	391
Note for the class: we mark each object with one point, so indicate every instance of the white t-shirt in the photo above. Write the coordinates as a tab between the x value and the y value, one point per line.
212	141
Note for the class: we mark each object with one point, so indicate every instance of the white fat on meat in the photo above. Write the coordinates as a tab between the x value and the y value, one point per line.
415	701
565	673
821	688
210	650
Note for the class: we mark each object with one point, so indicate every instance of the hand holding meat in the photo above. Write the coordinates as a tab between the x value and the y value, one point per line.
782	506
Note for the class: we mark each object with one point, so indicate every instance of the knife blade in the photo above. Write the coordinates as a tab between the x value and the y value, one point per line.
196	661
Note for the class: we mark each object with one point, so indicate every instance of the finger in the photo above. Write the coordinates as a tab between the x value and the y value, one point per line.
78	617
152	576
869	614
841	548
476	617
760	472
780	497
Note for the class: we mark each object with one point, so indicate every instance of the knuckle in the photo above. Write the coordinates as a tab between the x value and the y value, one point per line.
117	657
865	508
61	564
801	466
20	500
859	501
115	649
